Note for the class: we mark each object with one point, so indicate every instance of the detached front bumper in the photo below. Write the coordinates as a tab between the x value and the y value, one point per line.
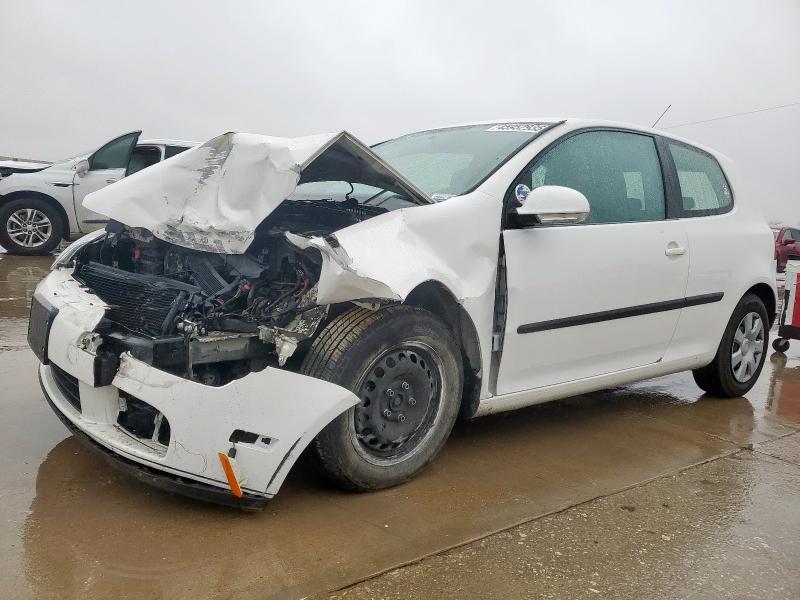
160	479
267	418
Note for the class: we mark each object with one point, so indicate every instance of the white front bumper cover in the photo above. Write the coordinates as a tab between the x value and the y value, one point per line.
286	410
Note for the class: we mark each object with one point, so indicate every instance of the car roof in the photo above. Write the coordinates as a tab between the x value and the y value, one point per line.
166	142
578	123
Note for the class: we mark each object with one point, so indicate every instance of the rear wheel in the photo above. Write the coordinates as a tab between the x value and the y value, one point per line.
30	226
402	364
741	353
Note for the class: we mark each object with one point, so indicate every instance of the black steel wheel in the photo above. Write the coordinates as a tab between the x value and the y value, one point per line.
399	402
402	364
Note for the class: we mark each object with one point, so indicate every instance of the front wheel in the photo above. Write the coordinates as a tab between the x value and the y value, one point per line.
30	226
404	367
741	353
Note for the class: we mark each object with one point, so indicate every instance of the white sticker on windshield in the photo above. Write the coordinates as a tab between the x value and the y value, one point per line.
529	127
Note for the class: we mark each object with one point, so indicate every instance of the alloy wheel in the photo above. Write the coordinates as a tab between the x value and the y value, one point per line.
29	227
748	347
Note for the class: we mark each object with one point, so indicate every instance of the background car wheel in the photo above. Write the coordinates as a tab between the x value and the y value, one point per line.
741	353
30	226
780	344
406	370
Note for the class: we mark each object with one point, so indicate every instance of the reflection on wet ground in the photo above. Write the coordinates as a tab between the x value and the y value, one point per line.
74	528
18	279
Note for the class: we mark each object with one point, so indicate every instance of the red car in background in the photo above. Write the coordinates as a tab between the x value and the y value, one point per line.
787	242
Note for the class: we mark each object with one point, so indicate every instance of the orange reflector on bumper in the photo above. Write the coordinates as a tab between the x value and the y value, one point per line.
230	473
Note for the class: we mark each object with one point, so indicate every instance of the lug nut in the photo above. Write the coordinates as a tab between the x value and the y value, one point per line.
387	412
412	401
401	417
405	385
390	392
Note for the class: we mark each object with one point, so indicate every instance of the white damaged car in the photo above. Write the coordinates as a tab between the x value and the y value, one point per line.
255	295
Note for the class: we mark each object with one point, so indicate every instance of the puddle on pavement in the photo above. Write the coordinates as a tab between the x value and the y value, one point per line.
75	528
18	278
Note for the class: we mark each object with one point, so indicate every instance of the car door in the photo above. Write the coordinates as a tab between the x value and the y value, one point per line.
602	296
107	165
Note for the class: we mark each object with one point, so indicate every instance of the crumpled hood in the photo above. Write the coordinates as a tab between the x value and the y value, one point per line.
212	197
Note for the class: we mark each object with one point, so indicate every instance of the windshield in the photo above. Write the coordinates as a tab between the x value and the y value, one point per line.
341	191
441	162
450	162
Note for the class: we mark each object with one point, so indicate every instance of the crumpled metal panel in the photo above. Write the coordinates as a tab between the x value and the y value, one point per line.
213	196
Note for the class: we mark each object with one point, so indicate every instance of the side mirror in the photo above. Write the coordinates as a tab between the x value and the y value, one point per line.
82	167
787	241
554	204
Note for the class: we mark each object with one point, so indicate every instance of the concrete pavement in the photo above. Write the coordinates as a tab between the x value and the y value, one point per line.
601	466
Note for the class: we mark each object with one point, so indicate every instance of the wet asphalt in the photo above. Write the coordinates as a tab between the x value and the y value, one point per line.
645	491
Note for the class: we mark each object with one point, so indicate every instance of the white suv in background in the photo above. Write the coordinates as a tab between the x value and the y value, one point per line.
42	204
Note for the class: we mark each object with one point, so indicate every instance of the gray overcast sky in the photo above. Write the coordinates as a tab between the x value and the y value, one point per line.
75	74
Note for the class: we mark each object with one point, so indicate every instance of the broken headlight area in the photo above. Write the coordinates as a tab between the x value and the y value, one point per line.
211	317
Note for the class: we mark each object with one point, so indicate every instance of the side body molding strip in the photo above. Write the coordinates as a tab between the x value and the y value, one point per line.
621	313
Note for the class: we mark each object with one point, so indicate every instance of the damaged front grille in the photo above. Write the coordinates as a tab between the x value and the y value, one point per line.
68	386
141	303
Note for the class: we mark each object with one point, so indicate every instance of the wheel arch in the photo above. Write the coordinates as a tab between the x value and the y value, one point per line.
436	298
767	295
6	198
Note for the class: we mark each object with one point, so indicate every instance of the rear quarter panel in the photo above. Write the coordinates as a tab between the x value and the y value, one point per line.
728	253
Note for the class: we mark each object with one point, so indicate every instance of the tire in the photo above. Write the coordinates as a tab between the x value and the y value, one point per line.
398	359
780	344
48	226
720	378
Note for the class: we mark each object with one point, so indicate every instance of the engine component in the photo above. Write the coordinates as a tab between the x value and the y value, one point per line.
212	317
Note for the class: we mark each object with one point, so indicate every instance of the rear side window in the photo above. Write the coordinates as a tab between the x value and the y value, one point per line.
143	157
704	189
171	151
618	172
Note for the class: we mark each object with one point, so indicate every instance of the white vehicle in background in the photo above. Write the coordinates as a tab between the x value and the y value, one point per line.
256	295
41	204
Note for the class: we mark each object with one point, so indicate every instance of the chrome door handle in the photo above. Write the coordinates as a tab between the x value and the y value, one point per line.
675	251
111	180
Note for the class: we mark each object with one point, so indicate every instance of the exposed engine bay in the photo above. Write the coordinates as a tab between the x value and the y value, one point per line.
212	317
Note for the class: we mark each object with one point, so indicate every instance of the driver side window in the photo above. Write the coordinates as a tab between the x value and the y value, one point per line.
618	172
114	155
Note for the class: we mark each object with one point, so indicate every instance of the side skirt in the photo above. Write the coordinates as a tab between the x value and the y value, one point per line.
558	391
